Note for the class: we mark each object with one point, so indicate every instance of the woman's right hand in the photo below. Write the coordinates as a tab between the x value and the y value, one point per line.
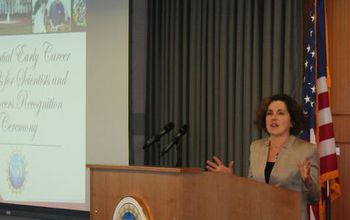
218	166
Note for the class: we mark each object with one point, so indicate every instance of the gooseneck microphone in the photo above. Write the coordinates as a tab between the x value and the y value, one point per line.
182	131
155	138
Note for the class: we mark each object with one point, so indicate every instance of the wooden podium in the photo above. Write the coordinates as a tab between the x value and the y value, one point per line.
188	193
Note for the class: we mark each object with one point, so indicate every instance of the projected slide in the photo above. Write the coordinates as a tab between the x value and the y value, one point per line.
42	102
64	89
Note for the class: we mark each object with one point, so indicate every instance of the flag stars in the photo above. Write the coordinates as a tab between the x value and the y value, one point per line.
306	64
313	89
308	48
307	99
311	68
312	104
313	54
312	18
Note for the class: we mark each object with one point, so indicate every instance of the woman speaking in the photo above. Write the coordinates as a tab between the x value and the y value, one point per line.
282	159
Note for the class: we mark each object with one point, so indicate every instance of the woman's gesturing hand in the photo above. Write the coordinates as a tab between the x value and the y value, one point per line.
304	169
217	166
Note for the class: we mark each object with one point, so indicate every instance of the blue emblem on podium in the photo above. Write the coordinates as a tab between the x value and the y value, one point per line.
130	208
128	216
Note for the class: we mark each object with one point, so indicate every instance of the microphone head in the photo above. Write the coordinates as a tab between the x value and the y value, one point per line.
168	126
183	129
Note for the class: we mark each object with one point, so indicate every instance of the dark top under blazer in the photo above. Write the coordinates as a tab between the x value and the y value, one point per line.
285	172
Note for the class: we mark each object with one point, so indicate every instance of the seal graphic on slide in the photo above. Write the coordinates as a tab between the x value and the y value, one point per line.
17	172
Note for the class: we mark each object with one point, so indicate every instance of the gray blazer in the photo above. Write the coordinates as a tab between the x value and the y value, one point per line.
285	172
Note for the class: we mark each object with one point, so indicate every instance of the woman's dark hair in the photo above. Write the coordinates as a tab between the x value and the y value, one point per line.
297	117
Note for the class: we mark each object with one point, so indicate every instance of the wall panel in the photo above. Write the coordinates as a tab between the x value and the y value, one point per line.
341	128
339	54
340	208
339	66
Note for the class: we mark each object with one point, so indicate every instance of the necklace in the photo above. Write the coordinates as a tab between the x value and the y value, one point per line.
274	152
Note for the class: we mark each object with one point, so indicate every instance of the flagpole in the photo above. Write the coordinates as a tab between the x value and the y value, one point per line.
328	203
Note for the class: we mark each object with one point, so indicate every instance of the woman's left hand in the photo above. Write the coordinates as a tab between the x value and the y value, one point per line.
218	166
304	169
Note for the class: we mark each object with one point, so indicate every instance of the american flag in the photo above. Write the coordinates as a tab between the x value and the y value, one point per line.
317	106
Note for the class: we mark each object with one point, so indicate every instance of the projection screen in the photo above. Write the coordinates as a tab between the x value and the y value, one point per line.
63	97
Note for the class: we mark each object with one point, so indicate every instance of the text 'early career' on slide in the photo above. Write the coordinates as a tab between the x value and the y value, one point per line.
42	118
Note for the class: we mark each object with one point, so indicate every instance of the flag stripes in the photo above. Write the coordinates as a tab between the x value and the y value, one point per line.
328	163
326	116
317	107
326	147
323	102
325	132
322	85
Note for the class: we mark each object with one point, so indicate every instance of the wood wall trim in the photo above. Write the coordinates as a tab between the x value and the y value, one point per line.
334	115
341	128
